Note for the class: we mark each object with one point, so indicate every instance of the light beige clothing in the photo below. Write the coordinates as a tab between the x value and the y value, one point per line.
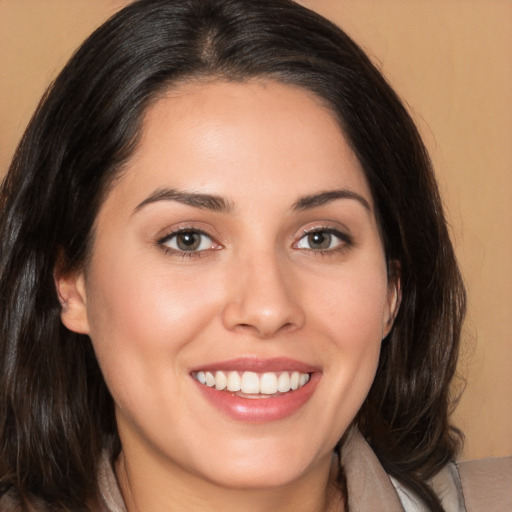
487	484
477	486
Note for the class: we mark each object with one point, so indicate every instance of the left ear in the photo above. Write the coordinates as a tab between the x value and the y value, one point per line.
394	296
70	288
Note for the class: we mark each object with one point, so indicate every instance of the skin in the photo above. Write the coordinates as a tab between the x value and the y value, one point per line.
257	287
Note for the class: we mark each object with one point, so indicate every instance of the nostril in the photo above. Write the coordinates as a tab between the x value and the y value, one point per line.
265	331
262	314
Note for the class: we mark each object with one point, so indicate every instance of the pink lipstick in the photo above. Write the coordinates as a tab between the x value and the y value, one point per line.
257	390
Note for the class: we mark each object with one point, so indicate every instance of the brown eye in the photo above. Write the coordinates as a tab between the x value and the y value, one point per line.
323	240
320	240
188	241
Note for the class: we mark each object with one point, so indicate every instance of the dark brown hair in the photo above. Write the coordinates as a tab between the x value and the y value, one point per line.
56	414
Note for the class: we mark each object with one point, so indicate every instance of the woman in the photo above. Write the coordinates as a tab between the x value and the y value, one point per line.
226	277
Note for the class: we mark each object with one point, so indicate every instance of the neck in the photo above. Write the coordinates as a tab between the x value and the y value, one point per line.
147	490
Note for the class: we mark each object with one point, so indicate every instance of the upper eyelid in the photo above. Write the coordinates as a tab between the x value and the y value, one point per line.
328	229
178	231
346	239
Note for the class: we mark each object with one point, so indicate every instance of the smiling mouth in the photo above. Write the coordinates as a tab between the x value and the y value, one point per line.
251	384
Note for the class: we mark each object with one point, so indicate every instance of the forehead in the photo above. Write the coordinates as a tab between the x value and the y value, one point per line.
243	139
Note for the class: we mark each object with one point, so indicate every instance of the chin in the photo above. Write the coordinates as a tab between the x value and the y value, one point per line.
264	465
263	477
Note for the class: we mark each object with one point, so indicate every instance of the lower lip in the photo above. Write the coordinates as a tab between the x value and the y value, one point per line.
260	410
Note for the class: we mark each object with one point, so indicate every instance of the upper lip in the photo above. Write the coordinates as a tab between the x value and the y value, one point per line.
258	365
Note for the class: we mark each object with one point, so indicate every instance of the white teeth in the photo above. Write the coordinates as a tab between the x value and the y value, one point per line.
210	379
252	383
283	383
294	381
268	383
234	381
303	379
221	381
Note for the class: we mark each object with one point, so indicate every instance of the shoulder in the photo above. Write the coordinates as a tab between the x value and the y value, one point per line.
445	484
487	484
10	502
7	504
483	485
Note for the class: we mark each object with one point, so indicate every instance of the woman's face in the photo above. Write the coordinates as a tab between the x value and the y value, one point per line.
238	249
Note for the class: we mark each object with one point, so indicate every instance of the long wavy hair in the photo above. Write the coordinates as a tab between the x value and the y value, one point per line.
56	413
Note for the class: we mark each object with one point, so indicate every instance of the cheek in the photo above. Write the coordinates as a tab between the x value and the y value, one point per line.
345	320
352	306
141	317
131	298
350	313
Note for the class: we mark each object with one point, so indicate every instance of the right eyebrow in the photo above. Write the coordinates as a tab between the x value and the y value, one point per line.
203	201
316	200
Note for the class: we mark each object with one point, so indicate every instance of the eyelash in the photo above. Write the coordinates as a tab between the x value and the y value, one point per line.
184	253
346	241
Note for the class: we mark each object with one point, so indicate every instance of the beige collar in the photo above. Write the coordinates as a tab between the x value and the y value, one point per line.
369	486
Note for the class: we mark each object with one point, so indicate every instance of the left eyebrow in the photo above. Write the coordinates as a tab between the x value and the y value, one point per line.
322	198
203	201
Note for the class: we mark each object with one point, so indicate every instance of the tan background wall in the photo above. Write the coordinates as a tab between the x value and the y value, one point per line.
452	62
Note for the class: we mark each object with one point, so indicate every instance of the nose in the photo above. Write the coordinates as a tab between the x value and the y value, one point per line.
264	298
